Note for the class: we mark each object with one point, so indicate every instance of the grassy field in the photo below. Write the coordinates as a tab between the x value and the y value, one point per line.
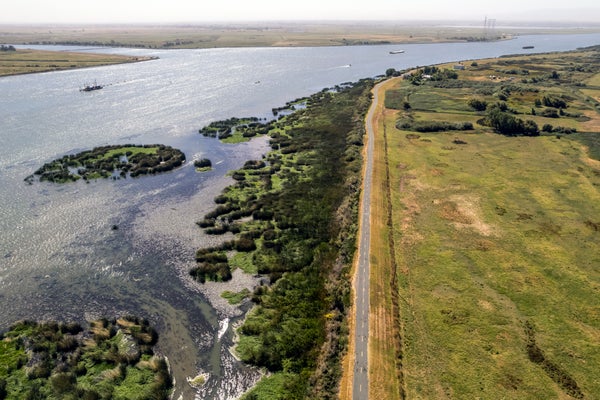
496	237
31	61
257	34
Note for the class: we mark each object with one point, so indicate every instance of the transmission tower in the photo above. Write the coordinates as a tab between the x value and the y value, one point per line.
489	28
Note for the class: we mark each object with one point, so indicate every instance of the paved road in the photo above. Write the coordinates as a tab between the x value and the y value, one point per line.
360	385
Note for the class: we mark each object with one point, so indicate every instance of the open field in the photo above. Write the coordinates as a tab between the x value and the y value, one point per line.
253	35
496	236
31	61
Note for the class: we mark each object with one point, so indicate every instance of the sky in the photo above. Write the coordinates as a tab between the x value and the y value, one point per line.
190	11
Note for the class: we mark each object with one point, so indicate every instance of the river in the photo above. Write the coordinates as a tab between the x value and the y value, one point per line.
59	256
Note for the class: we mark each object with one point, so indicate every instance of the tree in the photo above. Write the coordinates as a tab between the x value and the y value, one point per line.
507	124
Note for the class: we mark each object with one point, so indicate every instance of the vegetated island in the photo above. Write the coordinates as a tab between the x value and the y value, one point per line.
234	130
294	219
26	61
106	360
488	238
116	161
203	164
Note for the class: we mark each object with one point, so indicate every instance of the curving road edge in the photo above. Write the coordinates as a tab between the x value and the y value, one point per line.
360	383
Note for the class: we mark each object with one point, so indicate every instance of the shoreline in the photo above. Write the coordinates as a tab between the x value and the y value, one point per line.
267	34
33	61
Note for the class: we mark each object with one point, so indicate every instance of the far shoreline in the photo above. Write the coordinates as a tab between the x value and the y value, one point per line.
269	34
24	61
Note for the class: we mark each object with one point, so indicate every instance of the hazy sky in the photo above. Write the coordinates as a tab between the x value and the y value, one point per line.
105	11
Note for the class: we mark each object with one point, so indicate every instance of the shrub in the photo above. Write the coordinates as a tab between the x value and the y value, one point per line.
549	113
203	163
477	105
254	164
550	101
244	245
434	126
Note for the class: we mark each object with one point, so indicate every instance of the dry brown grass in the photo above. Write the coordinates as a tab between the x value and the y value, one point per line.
384	381
348	361
33	61
382	368
236	34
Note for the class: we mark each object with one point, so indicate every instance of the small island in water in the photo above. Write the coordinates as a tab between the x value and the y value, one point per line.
115	162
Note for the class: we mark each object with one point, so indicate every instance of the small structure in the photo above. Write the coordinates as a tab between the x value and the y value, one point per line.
459	67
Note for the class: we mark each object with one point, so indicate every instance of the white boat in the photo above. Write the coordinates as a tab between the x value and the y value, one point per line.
396	51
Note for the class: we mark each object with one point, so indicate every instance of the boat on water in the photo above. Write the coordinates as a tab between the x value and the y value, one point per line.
396	51
528	47
90	88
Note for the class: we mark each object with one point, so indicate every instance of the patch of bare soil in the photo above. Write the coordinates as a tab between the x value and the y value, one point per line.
464	211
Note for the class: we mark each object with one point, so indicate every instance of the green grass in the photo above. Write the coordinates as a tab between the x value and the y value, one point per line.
244	262
440	100
133	149
493	235
269	388
235	297
470	288
236	137
9	357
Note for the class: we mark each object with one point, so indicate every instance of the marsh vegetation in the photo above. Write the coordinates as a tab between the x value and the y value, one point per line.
106	360
118	161
293	218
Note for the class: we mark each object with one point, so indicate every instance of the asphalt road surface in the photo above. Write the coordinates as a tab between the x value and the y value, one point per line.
360	385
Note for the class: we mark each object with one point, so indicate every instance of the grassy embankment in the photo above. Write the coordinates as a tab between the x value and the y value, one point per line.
496	237
294	217
384	379
109	360
31	61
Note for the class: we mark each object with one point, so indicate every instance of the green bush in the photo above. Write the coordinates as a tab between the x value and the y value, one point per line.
477	105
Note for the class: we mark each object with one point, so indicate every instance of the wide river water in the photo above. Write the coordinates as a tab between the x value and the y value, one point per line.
59	256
